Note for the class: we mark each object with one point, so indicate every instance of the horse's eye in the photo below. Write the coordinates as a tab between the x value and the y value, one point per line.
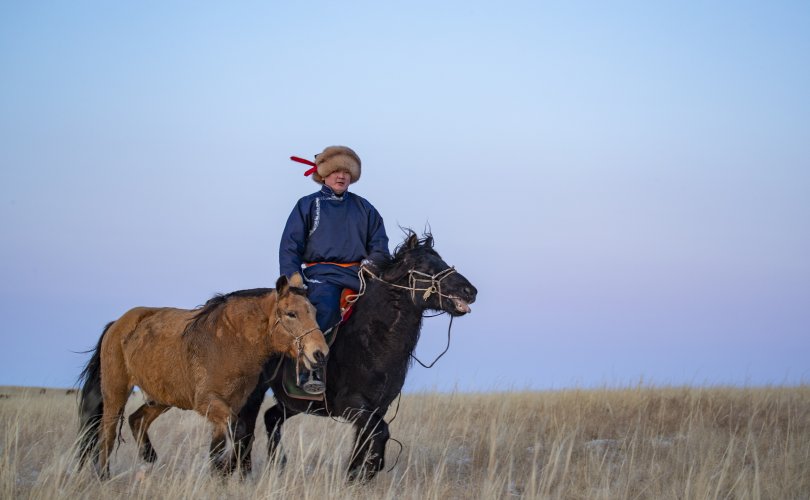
290	314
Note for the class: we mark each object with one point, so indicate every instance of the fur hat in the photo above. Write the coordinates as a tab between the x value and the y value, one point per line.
336	158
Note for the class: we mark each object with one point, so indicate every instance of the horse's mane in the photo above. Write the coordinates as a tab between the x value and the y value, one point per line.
208	314
411	242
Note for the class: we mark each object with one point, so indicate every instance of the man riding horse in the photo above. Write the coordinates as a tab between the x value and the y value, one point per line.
328	236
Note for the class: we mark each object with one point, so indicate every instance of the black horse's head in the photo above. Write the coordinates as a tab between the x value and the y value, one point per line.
433	284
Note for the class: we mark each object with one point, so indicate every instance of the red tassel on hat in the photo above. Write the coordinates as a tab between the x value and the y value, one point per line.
306	162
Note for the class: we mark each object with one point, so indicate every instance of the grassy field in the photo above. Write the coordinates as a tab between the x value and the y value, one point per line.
640	442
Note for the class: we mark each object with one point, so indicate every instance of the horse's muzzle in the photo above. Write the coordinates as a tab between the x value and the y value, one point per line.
462	300
320	359
315	358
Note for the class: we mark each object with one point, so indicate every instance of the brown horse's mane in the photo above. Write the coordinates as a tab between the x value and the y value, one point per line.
207	314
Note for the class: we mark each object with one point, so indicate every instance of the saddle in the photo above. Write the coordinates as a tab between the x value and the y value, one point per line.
289	369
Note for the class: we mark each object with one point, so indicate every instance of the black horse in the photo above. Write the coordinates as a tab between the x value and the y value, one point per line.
370	355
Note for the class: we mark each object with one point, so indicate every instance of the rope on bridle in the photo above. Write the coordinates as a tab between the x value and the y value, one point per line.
297	341
296	338
414	277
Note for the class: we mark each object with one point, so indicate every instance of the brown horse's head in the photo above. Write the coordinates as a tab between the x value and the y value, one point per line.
296	316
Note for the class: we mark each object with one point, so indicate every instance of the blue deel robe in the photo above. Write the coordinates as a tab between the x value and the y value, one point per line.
324	228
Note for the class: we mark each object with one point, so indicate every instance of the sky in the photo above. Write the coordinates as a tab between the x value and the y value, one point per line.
627	184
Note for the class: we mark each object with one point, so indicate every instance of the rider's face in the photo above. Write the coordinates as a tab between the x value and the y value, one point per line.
338	181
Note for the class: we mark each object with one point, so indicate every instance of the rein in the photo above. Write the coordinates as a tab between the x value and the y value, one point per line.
447	348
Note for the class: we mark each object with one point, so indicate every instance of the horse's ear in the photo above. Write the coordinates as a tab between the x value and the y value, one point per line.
282	284
296	281
413	241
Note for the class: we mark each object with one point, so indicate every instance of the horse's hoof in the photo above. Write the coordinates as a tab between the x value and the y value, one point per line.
246	466
103	475
149	455
360	475
279	459
223	468
140	475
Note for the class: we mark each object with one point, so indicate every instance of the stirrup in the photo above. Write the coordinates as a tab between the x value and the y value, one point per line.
313	385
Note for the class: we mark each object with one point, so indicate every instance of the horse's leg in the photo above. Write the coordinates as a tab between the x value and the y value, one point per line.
371	435
115	389
274	418
245	427
139	422
219	413
114	400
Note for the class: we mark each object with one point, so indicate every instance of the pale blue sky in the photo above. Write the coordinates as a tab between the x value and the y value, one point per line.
627	183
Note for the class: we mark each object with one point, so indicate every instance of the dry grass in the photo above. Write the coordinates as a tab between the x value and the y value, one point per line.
628	443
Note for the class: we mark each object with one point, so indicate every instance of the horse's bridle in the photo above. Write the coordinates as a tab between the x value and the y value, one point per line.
297	339
414	277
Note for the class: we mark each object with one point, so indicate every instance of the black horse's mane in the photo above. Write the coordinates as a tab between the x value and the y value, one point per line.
207	313
411	242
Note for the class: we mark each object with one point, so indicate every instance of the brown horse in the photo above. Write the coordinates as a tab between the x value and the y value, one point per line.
207	359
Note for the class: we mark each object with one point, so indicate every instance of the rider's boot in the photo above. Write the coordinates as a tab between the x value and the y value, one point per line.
311	381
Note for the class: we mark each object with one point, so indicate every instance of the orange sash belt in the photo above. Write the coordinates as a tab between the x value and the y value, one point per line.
341	264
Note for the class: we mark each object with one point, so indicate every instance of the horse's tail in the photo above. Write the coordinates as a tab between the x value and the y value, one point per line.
91	403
